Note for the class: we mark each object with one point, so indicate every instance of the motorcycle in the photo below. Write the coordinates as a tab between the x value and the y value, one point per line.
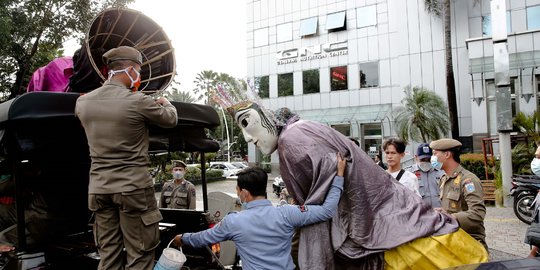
524	190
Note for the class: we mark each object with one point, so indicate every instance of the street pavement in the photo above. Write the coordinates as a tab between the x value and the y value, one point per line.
504	232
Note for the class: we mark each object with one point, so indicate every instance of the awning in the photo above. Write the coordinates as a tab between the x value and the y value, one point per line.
360	114
529	59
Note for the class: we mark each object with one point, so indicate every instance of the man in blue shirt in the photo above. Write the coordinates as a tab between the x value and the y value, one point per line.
262	232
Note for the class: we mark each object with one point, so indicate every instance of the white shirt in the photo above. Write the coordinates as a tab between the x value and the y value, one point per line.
409	180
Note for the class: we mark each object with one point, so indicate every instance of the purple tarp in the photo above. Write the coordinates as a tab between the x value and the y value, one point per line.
54	77
375	213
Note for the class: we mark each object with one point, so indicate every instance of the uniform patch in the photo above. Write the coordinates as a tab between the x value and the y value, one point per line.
469	187
302	208
453	205
456	181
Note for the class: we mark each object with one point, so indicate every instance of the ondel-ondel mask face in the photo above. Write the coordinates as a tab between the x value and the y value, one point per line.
257	128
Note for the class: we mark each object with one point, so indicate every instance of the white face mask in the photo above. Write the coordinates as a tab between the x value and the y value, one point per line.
424	166
535	166
258	129
435	163
134	82
178	175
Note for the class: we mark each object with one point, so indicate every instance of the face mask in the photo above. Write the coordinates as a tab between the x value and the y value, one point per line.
178	175
135	83
435	163
424	166
535	166
243	203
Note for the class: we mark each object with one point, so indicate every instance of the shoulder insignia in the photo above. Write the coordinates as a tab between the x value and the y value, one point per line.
457	181
302	208
469	187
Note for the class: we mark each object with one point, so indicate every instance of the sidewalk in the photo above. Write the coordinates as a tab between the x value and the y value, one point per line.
504	234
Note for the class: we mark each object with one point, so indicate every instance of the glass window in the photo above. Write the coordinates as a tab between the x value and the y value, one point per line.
262	86
260	37
284	32
369	74
344	129
310	81
336	21
338	78
285	84
486	24
372	138
308	26
366	16
533	17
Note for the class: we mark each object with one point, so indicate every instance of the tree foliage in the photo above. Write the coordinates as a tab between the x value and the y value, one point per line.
204	81
32	33
423	116
176	94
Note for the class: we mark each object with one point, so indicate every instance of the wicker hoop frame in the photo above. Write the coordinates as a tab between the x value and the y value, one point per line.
125	27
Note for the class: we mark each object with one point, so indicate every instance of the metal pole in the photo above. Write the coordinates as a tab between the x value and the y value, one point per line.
226	131
503	95
204	182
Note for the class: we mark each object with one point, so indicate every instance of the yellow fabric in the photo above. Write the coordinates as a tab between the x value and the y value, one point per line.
436	252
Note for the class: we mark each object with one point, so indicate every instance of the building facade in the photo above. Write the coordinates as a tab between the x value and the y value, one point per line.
346	63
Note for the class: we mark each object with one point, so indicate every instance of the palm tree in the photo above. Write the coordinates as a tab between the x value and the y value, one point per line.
176	95
180	96
422	117
204	81
443	10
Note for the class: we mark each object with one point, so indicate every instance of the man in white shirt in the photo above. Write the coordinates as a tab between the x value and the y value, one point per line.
394	150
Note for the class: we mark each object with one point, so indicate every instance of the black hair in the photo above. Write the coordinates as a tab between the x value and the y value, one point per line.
355	141
398	143
254	180
456	151
379	156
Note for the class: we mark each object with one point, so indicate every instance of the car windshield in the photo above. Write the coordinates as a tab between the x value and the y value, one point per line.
239	165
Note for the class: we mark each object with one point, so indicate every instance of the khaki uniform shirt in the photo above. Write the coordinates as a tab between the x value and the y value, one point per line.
116	124
462	196
178	196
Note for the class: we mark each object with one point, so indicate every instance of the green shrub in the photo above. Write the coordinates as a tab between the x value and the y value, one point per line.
522	154
162	176
214	173
474	162
192	173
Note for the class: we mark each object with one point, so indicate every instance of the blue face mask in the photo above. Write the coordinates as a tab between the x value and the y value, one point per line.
535	166
435	163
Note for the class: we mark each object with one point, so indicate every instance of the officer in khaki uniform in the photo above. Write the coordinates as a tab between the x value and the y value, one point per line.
461	191
115	118
178	193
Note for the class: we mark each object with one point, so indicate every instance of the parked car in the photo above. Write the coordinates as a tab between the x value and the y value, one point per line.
229	170
240	165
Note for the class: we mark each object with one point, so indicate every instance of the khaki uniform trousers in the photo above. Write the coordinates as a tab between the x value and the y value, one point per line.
130	220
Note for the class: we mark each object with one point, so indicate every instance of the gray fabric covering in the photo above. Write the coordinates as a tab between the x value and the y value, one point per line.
375	213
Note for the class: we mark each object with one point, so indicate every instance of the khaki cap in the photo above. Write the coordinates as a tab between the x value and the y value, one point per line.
444	144
178	163
122	53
